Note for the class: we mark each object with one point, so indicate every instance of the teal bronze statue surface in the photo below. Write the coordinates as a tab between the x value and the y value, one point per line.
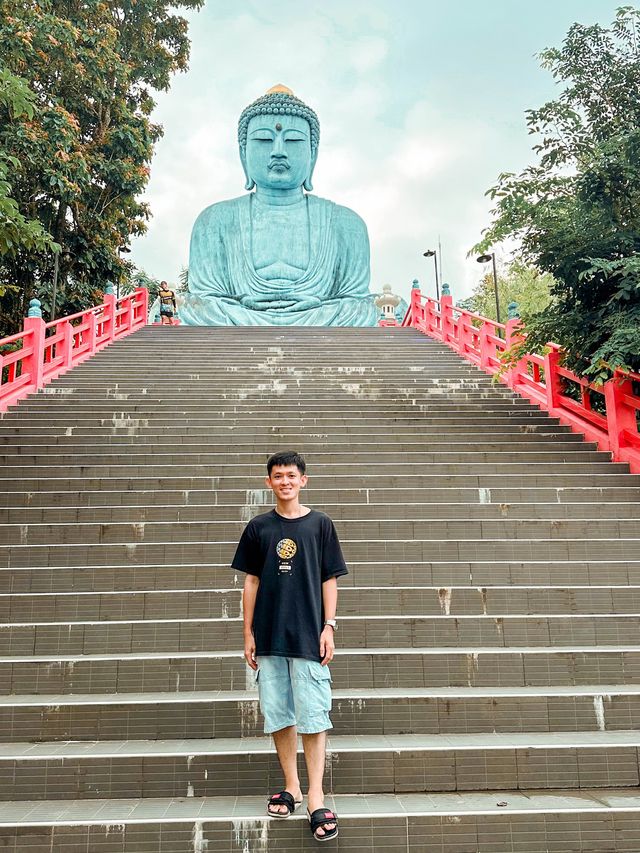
278	256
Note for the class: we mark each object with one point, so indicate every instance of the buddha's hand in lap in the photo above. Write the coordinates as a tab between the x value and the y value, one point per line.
265	303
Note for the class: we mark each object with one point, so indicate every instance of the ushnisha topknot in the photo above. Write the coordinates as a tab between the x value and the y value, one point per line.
279	100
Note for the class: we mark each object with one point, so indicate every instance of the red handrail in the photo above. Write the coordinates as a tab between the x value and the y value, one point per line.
45	350
539	378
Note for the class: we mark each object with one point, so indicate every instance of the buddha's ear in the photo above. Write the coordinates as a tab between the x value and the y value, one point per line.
249	182
307	183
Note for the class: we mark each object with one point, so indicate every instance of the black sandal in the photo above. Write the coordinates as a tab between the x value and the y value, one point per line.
318	819
284	798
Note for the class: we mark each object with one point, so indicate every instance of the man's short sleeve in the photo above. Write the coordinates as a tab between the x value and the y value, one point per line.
248	557
333	564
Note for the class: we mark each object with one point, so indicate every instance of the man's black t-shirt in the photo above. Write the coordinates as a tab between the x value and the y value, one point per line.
292	557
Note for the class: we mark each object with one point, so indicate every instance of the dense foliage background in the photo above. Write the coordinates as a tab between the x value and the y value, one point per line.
576	213
517	282
76	141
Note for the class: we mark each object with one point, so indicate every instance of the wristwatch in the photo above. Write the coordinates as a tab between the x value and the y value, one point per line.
332	623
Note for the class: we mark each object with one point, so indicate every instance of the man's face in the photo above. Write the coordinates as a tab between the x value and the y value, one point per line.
286	481
278	154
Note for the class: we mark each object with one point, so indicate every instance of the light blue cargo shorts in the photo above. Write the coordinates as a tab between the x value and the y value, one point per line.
294	692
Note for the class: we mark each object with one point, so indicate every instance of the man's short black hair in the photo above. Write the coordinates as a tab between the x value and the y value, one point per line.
286	457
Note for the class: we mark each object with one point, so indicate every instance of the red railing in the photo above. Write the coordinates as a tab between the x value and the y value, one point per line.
539	378
35	356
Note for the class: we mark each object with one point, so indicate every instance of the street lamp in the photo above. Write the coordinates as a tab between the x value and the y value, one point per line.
122	250
54	295
431	253
484	259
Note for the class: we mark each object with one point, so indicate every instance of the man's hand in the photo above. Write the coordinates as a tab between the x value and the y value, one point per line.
250	651
327	645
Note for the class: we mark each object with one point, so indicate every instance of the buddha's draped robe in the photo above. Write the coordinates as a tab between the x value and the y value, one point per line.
225	290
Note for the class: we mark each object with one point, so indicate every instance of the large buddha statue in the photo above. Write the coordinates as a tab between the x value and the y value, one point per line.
278	255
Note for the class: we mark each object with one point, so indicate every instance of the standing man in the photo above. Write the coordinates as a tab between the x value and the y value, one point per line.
292	559
167	304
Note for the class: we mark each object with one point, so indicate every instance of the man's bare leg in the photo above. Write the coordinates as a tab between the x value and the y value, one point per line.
286	741
314	756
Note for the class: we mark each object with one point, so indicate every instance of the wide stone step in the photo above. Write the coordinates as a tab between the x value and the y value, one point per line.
475	666
247	398
557	821
600	475
55	453
361	408
427	513
355	550
42	445
247	501
308	366
237	367
386	631
256	436
229	394
197	460
354	601
230	376
570	461
206	574
354	765
362	711
389	530
553	820
295	421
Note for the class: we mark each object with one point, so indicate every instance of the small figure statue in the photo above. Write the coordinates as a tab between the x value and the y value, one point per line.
278	255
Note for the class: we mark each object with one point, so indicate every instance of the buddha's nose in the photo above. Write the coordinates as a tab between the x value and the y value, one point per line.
278	147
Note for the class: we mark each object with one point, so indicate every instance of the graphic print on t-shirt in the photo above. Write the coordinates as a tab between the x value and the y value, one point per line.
285	549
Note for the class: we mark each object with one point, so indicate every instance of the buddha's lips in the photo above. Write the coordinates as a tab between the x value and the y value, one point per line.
279	164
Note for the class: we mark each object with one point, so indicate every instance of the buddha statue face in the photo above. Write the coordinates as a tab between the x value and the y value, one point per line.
278	153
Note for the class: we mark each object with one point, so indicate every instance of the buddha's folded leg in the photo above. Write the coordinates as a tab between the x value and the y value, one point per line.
224	311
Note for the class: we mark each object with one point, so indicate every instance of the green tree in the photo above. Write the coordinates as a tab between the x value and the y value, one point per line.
577	211
16	231
81	160
517	283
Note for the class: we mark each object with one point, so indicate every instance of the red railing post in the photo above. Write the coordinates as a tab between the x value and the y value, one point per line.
35	361
66	345
620	416
131	314
427	321
144	308
91	334
552	379
485	345
110	315
415	307
513	336
446	314
463	335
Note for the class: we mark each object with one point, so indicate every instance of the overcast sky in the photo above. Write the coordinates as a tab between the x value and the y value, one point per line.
421	106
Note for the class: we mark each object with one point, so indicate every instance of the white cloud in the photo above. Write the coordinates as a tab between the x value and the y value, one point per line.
368	53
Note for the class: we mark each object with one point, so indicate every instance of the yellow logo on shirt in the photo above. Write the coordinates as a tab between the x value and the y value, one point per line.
286	549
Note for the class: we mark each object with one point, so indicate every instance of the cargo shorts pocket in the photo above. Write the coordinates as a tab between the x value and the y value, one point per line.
312	697
321	687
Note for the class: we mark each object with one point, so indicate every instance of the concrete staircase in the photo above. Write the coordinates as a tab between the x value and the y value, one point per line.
487	690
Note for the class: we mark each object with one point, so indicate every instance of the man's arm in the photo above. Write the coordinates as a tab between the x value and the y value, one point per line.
330	604
249	593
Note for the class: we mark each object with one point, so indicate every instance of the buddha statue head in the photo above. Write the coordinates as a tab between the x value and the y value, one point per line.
278	137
